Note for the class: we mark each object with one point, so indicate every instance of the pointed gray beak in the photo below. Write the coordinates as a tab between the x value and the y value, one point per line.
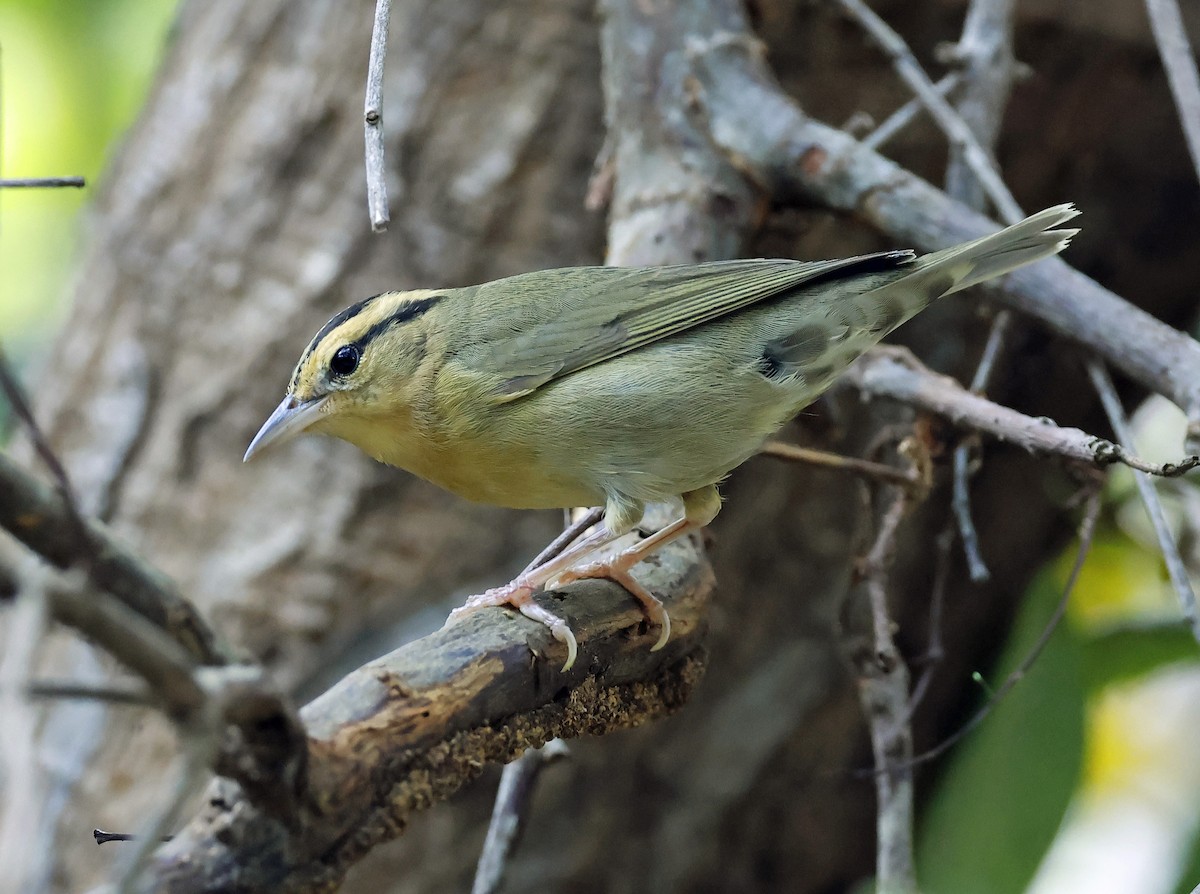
289	419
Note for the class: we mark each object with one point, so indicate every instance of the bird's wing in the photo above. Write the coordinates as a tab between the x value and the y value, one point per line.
594	314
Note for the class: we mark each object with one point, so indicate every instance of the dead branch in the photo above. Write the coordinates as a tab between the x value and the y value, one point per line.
41	519
1166	21
894	373
798	159
377	198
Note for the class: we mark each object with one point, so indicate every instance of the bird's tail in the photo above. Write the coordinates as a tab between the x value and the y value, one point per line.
947	271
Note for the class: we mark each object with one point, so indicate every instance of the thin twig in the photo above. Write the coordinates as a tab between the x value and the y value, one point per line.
110	693
377	201
41	445
894	373
904	116
985	58
1176	570
1166	22
948	120
852	464
517	784
934	651
41	182
103	837
1087	531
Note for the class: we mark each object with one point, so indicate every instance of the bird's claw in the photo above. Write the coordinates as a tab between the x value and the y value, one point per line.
519	595
655	611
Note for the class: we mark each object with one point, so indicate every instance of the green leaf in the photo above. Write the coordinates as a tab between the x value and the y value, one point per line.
1128	652
997	808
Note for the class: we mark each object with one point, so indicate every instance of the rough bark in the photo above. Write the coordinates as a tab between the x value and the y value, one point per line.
233	224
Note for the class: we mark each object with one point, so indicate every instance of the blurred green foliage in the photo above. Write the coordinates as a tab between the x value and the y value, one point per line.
73	74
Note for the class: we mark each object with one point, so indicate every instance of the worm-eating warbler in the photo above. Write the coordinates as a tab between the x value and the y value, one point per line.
613	386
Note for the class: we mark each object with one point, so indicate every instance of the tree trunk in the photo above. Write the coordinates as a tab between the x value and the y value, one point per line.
233	224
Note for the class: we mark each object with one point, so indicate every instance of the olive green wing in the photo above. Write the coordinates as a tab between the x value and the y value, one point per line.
579	317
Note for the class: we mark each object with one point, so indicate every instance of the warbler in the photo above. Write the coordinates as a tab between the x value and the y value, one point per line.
588	386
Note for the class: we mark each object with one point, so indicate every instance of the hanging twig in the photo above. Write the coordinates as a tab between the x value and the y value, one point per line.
377	200
1176	570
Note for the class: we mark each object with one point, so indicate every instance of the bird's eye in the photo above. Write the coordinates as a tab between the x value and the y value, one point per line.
345	360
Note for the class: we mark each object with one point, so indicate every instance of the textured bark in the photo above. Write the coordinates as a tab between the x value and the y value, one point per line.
234	223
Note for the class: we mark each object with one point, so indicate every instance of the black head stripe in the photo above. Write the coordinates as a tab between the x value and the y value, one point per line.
410	310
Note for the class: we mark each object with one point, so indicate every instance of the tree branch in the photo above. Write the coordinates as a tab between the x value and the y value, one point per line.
894	373
798	159
41	519
410	728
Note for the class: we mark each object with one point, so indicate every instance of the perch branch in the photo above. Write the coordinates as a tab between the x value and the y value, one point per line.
408	729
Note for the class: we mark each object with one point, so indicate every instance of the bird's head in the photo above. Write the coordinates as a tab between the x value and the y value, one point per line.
359	369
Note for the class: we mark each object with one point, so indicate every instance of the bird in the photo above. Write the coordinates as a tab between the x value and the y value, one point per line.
613	386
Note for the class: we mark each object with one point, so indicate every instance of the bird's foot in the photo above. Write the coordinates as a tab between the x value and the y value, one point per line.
519	595
617	570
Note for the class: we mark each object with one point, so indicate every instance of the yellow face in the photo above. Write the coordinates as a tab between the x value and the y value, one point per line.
358	367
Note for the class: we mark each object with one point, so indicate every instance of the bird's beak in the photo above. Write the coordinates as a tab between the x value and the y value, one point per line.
289	419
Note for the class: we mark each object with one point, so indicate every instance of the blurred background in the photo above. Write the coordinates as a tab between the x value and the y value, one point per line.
1086	779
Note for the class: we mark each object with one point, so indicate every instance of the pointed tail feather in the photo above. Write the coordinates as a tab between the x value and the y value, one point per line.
952	269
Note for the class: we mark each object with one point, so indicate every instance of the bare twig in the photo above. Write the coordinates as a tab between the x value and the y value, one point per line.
905	115
894	373
959	134
1166	22
517	784
934	651
1087	530
961	501
377	200
799	160
852	464
1146	490
984	57
41	182
110	693
21	409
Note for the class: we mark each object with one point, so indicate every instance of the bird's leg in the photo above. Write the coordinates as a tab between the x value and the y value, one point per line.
519	593
699	508
617	569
